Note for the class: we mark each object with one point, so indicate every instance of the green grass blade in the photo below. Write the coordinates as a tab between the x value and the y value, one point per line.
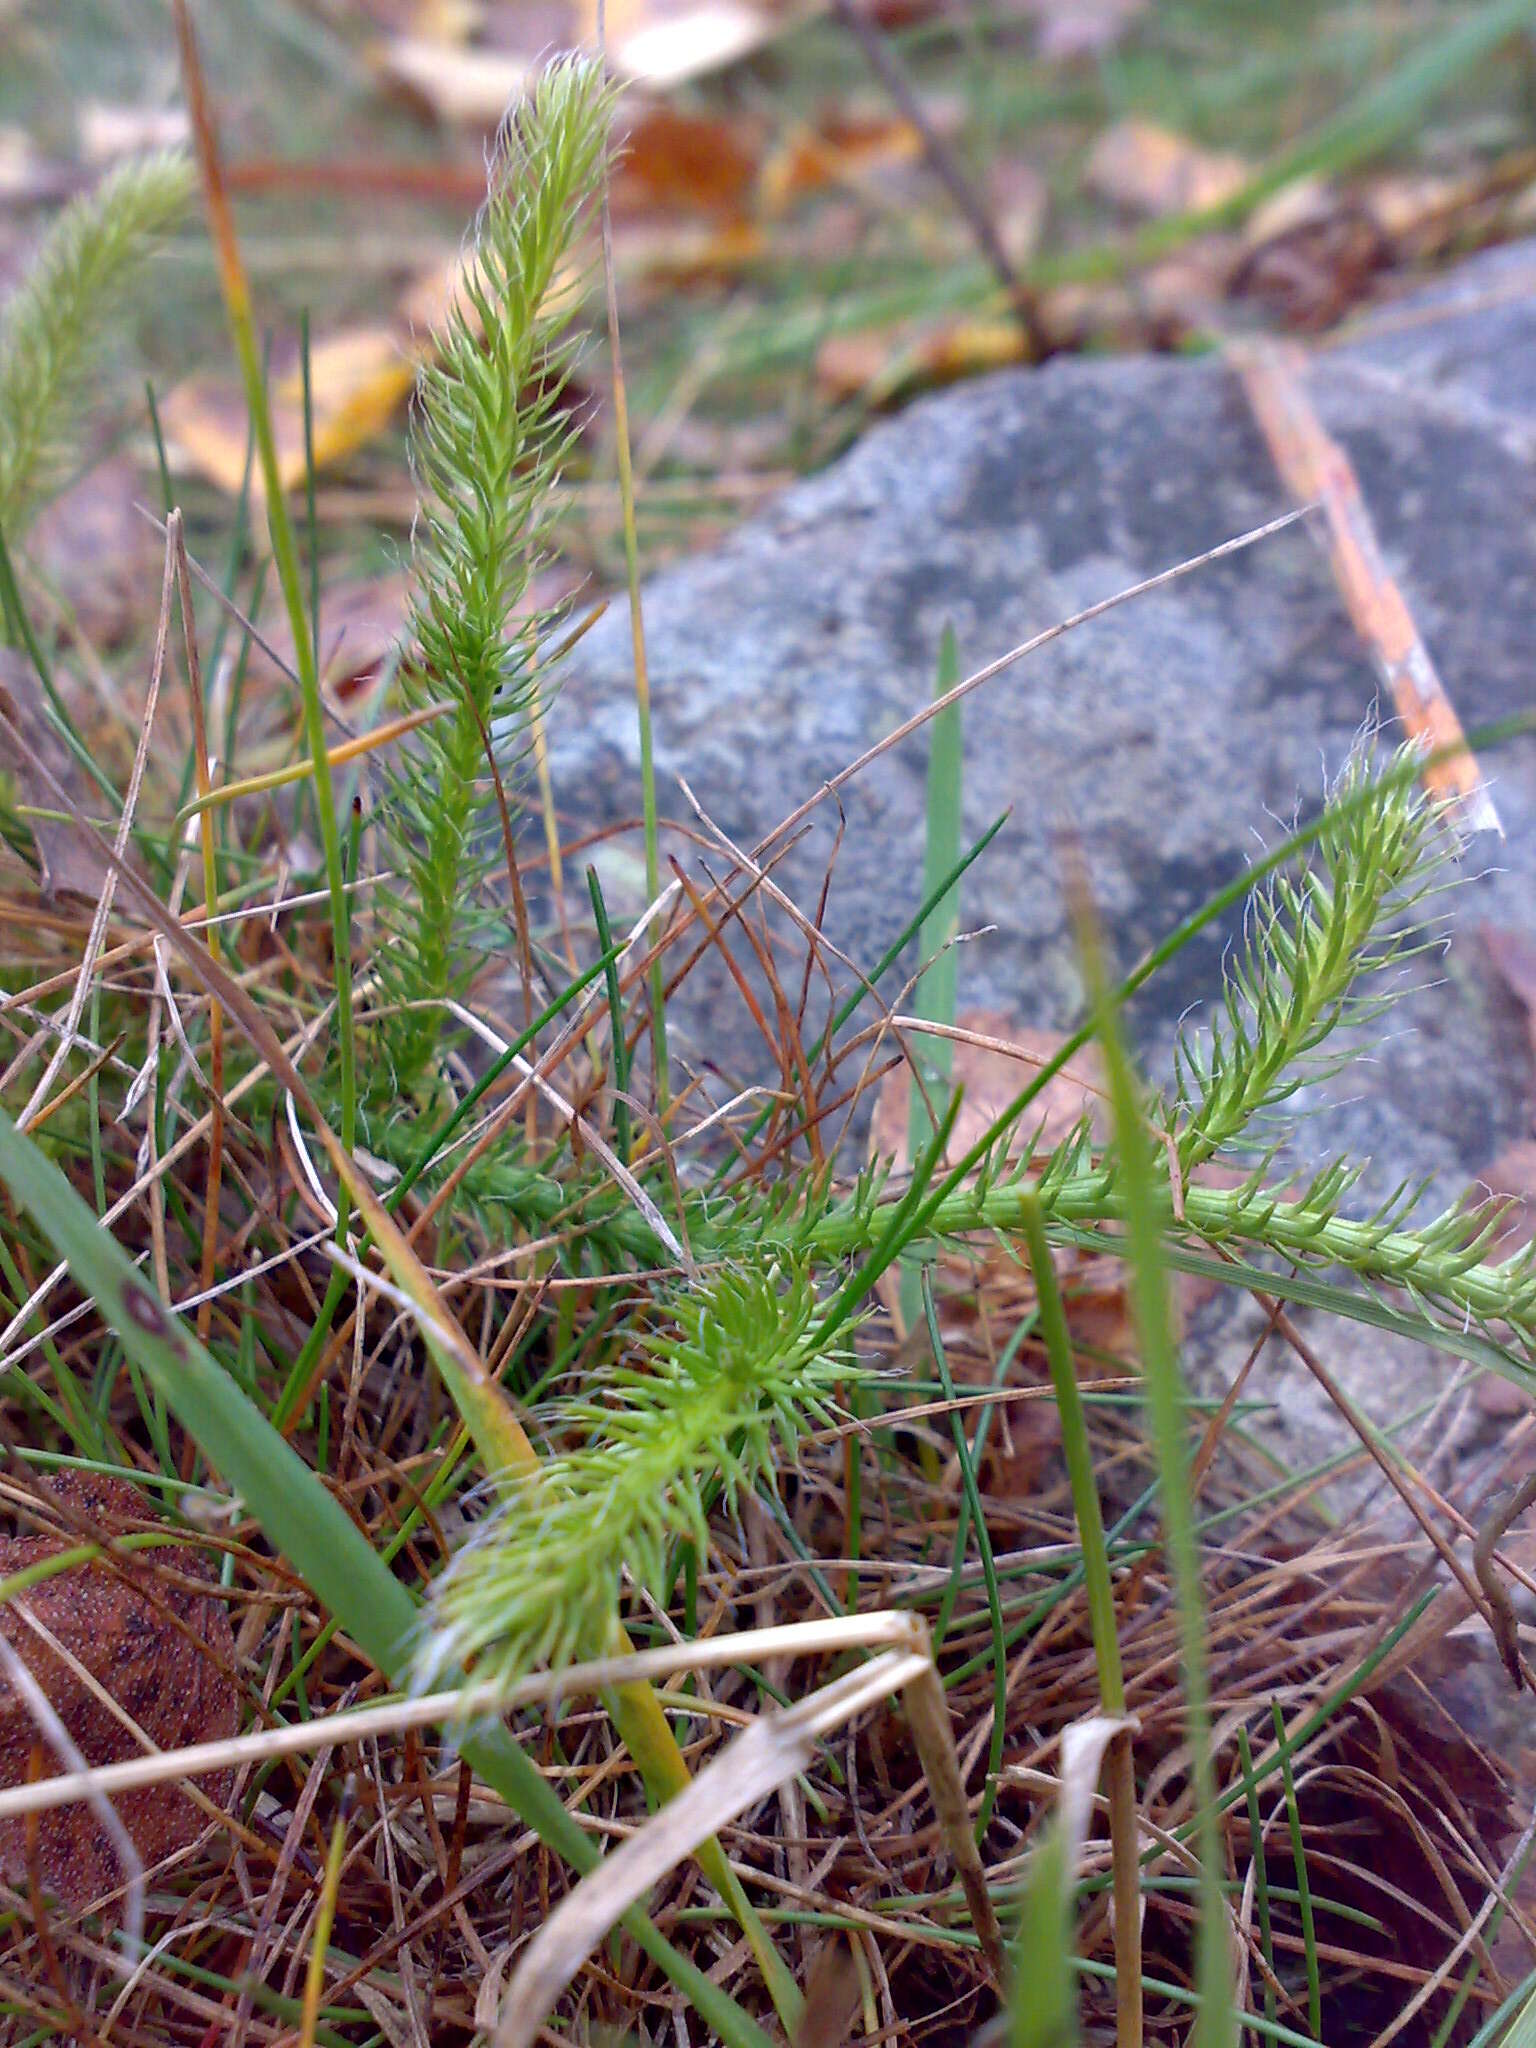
934	995
1146	1219
1260	1870
935	992
1303	1883
1522	2030
620	1054
988	1562
1078	1453
1042	2000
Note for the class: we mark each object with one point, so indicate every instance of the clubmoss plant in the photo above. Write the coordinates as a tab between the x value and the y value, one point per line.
1354	913
707	1405
728	1377
57	325
490	440
660	1398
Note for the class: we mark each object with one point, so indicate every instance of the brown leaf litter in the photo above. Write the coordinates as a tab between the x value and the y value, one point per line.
140	1646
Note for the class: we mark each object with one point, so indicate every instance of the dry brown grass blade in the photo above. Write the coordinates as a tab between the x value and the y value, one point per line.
886	1629
774	1749
928	1712
1315	467
1506	1627
1027	647
1083	1748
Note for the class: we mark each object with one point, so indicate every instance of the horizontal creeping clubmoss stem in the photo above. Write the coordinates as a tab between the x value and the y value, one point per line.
1441	1267
1485	1291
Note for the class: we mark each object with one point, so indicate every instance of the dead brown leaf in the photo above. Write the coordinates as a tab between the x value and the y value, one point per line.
467	88
992	1066
1074	29
981	1286
678	162
1310	254
1512	955
657	44
1182	295
68	865
844	147
99	554
1145	168
1511	1179
878	364
360	627
359	379
1508	1184
160	1650
1416	212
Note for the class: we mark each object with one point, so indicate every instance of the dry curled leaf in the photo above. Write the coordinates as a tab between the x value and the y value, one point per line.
159	1649
1072	30
1148	169
1511	954
360	377
67	865
98	553
1311	253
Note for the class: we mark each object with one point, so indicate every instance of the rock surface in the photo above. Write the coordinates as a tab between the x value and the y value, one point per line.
1172	735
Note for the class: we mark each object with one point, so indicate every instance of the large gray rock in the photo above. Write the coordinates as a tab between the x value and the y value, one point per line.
1173	734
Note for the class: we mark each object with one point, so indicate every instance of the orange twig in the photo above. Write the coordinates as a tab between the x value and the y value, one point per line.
1315	467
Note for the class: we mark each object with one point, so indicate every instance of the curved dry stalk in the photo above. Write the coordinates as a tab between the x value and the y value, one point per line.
886	1629
775	1748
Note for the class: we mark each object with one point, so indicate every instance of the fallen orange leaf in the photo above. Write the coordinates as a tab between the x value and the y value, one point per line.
838	152
1148	169
679	162
359	379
